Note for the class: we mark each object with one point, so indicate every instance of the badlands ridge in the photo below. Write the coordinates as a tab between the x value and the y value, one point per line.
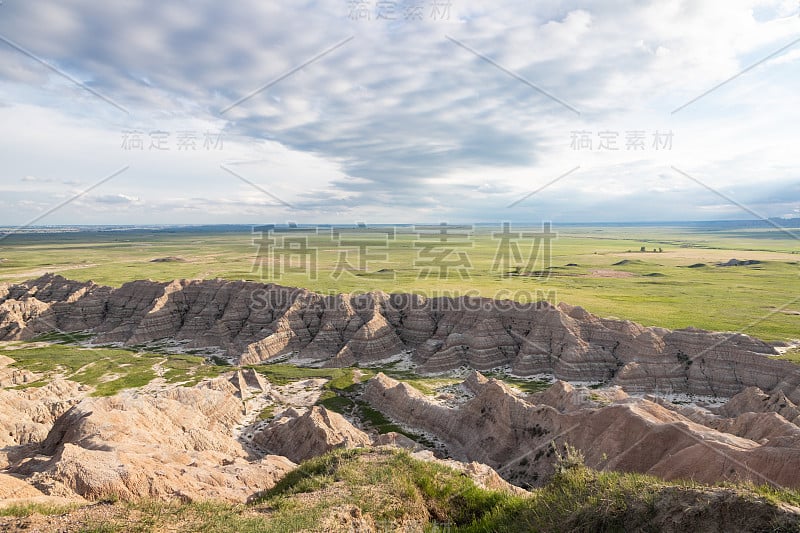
205	442
254	323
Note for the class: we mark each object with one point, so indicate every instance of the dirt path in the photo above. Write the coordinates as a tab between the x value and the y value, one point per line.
609	274
84	367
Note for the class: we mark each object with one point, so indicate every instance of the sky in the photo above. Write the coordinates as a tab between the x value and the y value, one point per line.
338	111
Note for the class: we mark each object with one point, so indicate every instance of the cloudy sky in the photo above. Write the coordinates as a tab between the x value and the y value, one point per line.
397	111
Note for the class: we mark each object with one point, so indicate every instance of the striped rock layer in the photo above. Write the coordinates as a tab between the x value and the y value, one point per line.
255	322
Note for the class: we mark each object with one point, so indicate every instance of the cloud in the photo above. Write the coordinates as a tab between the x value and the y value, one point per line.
400	121
788	57
115	199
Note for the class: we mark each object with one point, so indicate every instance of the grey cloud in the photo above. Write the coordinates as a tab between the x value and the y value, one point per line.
399	108
115	199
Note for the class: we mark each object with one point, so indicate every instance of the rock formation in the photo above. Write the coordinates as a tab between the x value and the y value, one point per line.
256	322
246	380
301	437
519	436
11	377
174	444
27	415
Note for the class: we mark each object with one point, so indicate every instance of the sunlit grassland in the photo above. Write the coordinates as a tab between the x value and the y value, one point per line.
107	370
661	288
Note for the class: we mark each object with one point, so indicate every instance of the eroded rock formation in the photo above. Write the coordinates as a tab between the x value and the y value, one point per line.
317	431
520	436
254	322
174	444
26	416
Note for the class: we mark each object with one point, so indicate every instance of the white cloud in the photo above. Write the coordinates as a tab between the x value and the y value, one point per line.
115	199
392	121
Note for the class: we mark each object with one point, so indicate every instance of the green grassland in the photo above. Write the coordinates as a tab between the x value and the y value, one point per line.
651	288
396	492
107	370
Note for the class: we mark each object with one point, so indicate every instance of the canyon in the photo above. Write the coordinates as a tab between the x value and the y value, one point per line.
253	323
679	405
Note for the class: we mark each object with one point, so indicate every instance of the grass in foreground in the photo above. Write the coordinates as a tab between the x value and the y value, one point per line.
28	509
389	490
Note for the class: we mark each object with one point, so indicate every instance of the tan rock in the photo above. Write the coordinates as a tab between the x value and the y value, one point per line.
17	489
174	444
27	415
397	440
301	437
519	438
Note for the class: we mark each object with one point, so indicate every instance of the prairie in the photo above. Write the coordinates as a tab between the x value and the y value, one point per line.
680	286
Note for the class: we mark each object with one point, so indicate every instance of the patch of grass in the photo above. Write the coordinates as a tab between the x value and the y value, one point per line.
201	517
109	370
333	402
320	468
190	369
792	355
62	337
389	484
773	494
580	499
283	374
28	509
528	386
267	413
342	379
399	492
378	421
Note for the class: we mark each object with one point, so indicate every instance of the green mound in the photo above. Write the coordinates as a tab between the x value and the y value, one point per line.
630	262
170	259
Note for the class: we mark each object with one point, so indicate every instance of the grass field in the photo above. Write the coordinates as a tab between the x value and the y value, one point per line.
107	370
609	276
